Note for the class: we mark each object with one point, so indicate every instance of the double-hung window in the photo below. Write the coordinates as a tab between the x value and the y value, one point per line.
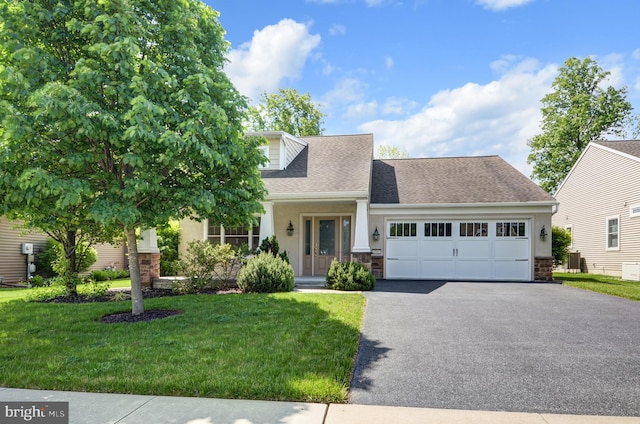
613	232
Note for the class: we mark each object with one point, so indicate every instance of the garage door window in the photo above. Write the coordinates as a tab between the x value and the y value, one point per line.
511	229
403	229
474	229
437	229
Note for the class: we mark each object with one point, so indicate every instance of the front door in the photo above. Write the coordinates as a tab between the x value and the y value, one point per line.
322	241
325	244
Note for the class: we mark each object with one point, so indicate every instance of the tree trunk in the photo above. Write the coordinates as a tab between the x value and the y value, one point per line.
137	304
70	275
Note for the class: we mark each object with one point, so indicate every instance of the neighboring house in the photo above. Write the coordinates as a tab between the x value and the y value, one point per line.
472	218
13	263
600	205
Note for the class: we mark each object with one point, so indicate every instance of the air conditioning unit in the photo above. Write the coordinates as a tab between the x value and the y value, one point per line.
27	248
631	271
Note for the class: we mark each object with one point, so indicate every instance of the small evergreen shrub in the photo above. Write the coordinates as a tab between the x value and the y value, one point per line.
266	273
99	275
38	281
349	276
108	274
271	245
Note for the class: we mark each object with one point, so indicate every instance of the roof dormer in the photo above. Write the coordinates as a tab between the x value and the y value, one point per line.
281	148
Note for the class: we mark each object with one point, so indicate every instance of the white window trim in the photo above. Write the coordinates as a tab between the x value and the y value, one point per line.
265	152
606	242
634	210
569	227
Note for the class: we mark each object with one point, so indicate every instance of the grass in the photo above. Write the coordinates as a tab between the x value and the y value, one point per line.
125	282
286	346
607	284
7	294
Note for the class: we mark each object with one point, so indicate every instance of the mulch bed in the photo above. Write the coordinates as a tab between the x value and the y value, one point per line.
128	317
145	316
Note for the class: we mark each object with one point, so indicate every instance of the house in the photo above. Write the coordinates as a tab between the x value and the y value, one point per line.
13	263
467	218
600	206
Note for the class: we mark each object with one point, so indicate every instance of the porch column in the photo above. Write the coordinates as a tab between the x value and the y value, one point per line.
266	221
361	240
148	257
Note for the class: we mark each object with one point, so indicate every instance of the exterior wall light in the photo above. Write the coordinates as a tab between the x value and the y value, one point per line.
543	234
290	229
376	235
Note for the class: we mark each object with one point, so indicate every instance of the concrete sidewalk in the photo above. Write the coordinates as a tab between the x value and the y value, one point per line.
93	408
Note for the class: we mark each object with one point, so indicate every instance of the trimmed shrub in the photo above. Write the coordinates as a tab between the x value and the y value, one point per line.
207	265
349	276
266	273
271	245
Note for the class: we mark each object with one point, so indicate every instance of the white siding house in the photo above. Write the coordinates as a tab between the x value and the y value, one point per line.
600	204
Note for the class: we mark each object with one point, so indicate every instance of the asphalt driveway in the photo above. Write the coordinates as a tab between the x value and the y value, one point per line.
519	347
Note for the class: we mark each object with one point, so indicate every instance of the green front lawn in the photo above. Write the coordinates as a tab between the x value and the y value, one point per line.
601	283
286	346
7	294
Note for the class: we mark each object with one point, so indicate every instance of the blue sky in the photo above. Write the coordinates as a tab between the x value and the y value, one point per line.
434	77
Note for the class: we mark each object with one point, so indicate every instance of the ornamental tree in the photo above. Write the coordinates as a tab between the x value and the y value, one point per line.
121	107
578	110
287	111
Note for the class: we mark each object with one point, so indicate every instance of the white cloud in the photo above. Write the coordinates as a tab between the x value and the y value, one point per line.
492	119
362	110
274	53
345	91
337	29
636	54
614	64
388	62
498	5
398	106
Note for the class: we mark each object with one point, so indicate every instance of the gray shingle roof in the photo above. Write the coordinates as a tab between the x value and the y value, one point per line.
486	179
630	147
329	164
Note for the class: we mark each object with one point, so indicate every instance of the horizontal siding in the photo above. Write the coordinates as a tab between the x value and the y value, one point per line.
293	150
602	184
111	256
13	265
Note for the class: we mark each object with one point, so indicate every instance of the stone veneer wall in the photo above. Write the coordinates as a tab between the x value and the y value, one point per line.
149	267
362	258
543	268
377	266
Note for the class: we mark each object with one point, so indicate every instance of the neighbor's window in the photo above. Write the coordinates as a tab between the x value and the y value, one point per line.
613	232
403	229
511	229
474	229
569	228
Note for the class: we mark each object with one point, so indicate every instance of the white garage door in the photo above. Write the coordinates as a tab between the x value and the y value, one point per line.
458	250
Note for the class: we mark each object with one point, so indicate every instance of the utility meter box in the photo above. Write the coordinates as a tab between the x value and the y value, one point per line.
27	248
